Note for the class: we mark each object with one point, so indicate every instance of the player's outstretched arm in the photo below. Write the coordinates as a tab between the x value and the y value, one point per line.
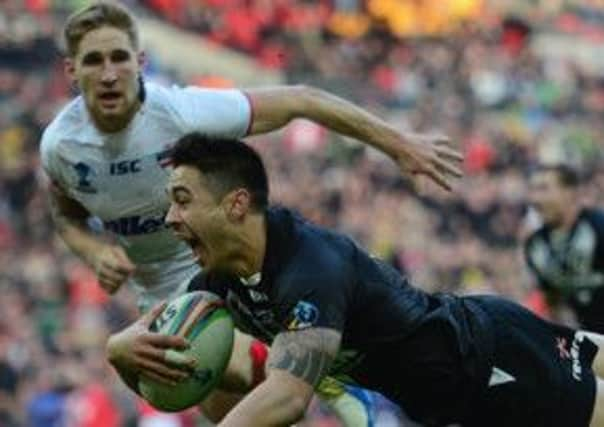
110	262
415	154
297	361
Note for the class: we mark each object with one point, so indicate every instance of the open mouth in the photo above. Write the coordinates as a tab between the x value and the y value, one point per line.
183	233
109	98
196	246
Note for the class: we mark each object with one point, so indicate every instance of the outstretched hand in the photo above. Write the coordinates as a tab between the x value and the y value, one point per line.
430	155
151	354
113	268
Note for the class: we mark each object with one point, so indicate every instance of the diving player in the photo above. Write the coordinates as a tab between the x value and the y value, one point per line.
327	308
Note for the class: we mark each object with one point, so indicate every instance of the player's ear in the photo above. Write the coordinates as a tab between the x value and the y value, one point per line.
70	70
237	204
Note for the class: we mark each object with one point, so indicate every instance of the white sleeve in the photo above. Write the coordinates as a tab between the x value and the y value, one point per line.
222	113
49	158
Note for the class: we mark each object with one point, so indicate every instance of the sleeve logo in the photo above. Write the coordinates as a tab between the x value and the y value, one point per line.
304	315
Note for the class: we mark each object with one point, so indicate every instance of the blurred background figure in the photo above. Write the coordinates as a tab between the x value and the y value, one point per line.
514	83
566	254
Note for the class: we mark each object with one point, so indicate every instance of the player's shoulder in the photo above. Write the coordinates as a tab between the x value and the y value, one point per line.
303	247
172	96
70	122
327	243
537	234
594	215
535	242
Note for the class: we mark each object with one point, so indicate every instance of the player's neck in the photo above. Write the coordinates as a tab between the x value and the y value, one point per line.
569	218
251	247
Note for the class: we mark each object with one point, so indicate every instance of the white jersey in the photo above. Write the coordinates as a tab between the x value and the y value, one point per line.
121	178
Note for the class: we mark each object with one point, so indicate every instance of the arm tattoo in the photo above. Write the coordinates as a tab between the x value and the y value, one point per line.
305	354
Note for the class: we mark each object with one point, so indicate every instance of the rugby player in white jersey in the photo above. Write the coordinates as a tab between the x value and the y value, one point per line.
106	156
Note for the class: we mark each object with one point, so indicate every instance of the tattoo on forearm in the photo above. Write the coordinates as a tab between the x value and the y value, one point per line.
305	354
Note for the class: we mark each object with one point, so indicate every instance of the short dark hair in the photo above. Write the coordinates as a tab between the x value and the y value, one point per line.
227	164
567	175
95	16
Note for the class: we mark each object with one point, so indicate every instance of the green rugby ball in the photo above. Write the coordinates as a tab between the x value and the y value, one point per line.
201	318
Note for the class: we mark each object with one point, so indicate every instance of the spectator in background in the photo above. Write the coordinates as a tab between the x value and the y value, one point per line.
566	254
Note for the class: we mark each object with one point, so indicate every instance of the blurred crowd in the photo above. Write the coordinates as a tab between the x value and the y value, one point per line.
485	82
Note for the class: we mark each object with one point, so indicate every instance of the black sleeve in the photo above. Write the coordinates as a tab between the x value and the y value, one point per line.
317	290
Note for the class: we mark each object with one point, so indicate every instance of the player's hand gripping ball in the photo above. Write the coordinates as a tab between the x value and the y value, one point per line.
201	318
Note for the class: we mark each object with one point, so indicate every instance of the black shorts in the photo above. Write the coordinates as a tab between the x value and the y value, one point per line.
541	373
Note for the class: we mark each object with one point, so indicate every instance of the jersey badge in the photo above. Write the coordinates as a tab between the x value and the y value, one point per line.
304	315
84	175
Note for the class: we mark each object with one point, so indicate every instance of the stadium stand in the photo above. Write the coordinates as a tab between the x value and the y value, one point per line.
514	87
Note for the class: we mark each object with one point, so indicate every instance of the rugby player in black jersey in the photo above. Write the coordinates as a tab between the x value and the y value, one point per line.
328	308
566	254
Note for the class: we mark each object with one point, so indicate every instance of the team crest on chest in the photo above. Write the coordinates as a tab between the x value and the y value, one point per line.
84	175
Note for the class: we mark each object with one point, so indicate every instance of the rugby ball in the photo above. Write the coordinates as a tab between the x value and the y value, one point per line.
201	318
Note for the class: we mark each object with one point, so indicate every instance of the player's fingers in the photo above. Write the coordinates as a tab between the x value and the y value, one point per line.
124	261
152	314
117	267
179	360
162	372
159	378
170	358
447	167
438	178
108	283
109	287
166	341
109	275
167	369
441	139
449	153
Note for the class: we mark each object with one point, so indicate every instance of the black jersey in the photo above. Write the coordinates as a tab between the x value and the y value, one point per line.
573	266
396	339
